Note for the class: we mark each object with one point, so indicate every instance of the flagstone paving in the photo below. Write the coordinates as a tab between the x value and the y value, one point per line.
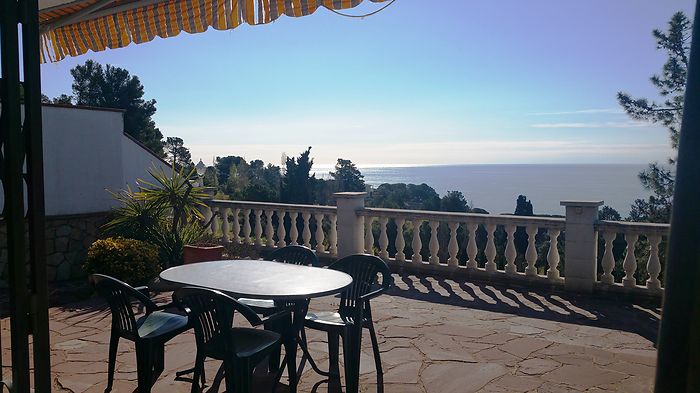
436	335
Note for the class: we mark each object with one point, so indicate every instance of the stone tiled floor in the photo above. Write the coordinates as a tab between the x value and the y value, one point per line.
436	335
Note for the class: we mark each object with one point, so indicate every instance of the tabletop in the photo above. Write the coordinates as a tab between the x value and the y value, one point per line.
259	279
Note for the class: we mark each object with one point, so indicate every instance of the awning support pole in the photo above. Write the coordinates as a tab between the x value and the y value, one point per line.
678	364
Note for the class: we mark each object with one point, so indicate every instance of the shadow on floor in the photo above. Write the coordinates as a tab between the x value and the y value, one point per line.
635	317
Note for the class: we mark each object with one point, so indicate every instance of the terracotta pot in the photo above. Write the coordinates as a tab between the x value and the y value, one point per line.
202	252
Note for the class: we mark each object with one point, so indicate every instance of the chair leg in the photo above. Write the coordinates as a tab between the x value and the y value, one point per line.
333	354
113	346
377	358
274	357
198	373
158	361
144	367
352	341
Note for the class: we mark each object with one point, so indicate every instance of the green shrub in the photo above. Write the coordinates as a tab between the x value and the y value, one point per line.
132	261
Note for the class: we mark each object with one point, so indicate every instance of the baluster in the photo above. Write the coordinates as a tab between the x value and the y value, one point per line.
416	244
453	248
212	220
281	232
224	224
653	265
531	252
553	255
369	237
333	235
258	227
246	227
320	236
293	231
490	248
434	244
630	263
269	230
472	250
400	242
206	212
236	225
383	238
511	252
608	261
306	232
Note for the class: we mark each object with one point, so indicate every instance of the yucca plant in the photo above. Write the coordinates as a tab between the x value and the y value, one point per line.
164	212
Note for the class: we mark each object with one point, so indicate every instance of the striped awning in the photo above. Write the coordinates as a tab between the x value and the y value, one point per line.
71	28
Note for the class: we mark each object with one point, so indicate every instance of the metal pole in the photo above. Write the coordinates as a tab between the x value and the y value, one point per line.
13	211
38	291
678	364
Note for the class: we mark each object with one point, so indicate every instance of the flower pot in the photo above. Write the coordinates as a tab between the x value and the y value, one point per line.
202	252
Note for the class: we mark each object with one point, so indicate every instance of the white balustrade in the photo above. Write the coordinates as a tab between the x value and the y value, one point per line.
400	242
630	263
320	247
608	262
511	253
306	232
246	227
224	225
369	237
269	230
453	248
654	265
553	255
258	227
293	231
416	243
434	244
490	251
383	238
531	252
333	235
281	232
472	249
236	225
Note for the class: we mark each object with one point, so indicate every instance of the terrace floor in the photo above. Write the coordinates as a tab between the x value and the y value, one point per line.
436	335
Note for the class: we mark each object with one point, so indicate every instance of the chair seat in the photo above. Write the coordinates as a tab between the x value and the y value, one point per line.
160	324
319	320
249	342
258	304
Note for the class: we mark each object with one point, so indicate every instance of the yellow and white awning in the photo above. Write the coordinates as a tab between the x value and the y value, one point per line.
71	28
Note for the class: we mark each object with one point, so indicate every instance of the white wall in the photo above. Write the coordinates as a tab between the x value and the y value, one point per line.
85	153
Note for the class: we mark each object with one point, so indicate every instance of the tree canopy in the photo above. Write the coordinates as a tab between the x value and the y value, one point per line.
667	112
177	153
114	87
297	182
454	201
347	177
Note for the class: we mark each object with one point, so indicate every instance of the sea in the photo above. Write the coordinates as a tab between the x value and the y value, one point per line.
495	187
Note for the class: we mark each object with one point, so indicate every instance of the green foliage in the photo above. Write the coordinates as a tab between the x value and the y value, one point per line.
454	201
63	99
405	196
608	213
297	183
668	113
177	153
523	207
114	87
347	177
163	212
132	261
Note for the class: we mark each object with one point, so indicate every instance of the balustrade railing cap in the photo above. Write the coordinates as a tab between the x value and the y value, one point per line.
349	195
582	203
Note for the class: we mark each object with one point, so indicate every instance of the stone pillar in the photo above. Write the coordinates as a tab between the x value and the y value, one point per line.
581	246
350	225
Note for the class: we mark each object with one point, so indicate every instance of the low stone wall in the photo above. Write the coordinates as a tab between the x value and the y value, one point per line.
67	241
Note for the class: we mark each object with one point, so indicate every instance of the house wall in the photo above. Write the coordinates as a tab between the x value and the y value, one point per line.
85	154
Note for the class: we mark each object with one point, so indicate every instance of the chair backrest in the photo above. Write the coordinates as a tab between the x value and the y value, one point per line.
295	254
119	295
364	270
211	314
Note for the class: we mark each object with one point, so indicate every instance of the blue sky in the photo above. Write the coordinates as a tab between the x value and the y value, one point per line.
423	82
